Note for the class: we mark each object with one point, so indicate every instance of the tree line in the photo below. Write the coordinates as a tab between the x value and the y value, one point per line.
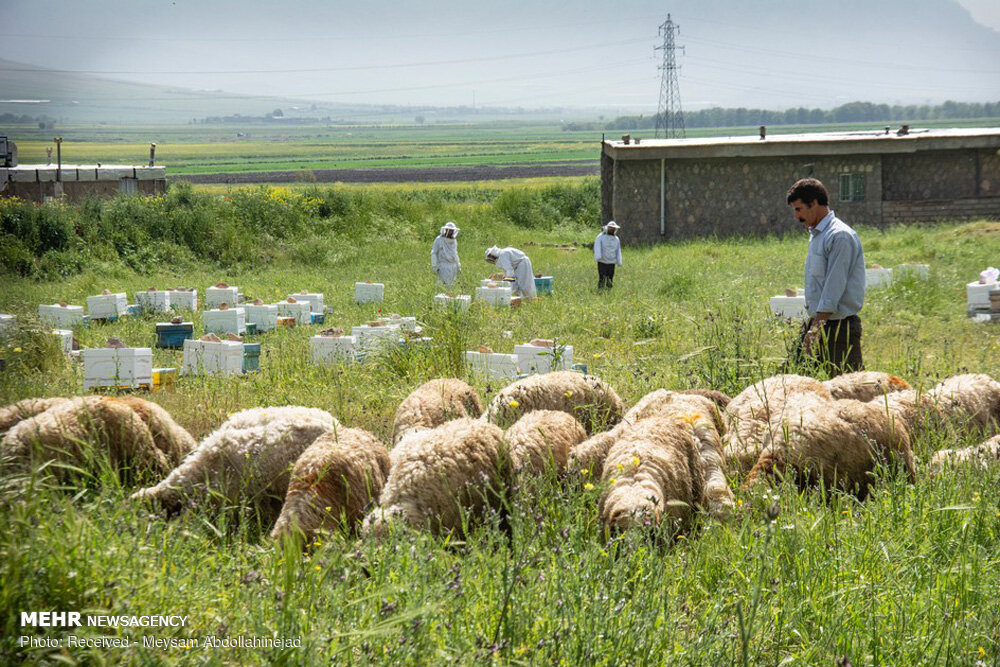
852	112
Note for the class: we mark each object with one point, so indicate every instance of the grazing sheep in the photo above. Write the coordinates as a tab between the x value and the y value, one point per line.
81	432
865	385
659	471
247	459
974	398
588	398
542	439
25	409
589	455
837	442
751	412
982	454
434	403
169	437
459	467
333	482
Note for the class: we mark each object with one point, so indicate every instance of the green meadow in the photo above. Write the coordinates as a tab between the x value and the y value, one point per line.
907	577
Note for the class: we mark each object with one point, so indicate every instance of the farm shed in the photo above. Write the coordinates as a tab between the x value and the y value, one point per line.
664	189
77	182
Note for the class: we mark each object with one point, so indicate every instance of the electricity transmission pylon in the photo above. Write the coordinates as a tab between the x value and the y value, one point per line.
669	117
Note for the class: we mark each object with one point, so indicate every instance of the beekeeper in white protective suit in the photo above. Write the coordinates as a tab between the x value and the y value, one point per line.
516	265
444	254
608	253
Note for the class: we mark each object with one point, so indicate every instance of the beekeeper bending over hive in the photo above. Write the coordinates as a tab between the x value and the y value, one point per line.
516	265
444	254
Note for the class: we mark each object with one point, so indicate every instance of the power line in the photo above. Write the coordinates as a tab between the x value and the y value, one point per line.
669	117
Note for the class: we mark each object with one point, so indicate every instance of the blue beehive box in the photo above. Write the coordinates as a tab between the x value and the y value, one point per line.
251	357
251	328
543	285
133	309
580	368
171	335
318	318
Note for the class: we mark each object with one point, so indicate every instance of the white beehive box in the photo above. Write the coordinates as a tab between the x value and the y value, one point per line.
328	349
300	310
403	322
107	306
367	292
499	366
130	367
8	324
153	301
63	317
495	296
793	307
216	296
918	271
878	278
225	357
314	299
460	302
184	299
265	316
978	294
371	337
540	358
65	338
230	320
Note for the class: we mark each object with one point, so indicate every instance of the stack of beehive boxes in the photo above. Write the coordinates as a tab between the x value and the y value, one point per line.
542	356
153	300
183	299
207	356
301	311
221	294
61	315
368	292
225	320
109	306
330	348
459	302
496	365
495	294
263	316
790	307
117	367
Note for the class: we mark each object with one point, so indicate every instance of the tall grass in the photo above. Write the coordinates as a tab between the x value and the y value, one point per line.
795	578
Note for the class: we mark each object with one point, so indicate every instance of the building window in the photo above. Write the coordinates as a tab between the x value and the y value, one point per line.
852	187
128	186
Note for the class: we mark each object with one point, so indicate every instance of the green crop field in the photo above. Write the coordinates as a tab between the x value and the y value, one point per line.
907	577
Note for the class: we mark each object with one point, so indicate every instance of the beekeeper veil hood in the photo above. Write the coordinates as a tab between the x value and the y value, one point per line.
492	253
611	227
450	230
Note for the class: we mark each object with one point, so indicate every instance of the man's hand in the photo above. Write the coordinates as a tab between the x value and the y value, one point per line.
815	331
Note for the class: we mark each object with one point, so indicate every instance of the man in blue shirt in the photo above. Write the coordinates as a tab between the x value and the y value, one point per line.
835	281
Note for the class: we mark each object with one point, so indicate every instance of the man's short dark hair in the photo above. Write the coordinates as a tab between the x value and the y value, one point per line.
809	190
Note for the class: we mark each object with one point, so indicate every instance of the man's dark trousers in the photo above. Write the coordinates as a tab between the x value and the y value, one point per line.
839	348
605	275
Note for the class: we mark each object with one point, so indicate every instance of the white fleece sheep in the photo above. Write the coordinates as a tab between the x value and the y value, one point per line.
457	469
750	414
588	398
589	455
87	433
837	442
248	459
333	483
973	398
979	456
434	403
662	469
542	439
914	410
11	414
865	385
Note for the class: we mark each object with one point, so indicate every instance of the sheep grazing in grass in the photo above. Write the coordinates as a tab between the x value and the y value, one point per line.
456	470
839	443
11	414
979	455
589	455
588	398
661	470
974	398
865	385
87	433
434	403
750	414
248	459
541	440
333	483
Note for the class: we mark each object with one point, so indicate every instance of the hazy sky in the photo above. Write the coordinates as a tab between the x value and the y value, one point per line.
773	53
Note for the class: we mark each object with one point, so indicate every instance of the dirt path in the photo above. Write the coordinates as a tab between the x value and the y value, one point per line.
404	175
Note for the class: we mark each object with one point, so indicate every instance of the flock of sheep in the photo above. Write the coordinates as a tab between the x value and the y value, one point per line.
669	456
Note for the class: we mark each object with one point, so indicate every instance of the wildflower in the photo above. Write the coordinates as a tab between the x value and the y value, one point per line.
975	497
614	479
689	418
585	471
621	467
982	652
635	460
318	568
588	487
568	394
328	508
514	404
17	349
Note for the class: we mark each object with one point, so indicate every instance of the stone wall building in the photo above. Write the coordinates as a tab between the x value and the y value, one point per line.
665	189
77	182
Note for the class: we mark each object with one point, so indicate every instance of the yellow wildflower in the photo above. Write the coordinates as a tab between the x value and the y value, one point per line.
635	460
17	349
588	487
514	404
568	394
